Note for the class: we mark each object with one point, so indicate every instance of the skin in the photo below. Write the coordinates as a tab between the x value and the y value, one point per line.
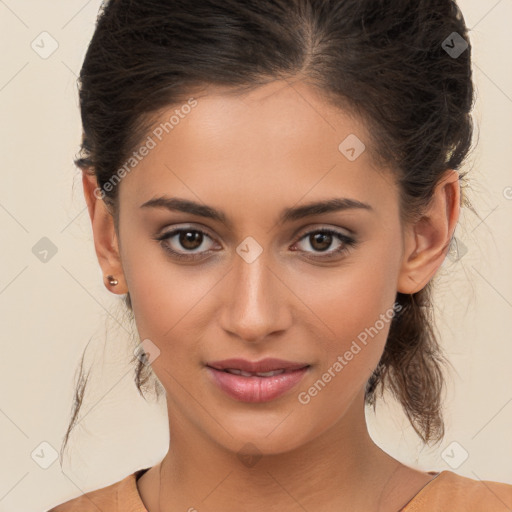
251	156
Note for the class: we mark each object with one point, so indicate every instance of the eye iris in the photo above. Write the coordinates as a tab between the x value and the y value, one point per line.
324	239
189	239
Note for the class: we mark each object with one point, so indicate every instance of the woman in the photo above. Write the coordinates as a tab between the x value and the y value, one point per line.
272	187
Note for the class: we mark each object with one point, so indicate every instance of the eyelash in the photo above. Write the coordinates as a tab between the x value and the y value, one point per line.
347	242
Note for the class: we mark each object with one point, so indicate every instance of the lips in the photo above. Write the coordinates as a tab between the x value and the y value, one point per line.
260	381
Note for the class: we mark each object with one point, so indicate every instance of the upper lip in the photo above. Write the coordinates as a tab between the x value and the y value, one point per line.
265	365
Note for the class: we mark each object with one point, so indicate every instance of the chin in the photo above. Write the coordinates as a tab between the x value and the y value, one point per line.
276	434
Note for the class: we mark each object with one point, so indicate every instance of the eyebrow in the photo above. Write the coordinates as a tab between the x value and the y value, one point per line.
287	215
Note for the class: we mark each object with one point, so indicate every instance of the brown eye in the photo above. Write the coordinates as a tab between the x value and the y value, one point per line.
320	240
190	239
186	243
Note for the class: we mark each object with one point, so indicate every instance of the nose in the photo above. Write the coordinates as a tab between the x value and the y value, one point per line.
256	304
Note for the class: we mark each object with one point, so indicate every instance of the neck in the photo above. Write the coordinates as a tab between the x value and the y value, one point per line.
340	467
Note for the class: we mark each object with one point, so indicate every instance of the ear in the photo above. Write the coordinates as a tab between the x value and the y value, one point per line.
427	241
105	237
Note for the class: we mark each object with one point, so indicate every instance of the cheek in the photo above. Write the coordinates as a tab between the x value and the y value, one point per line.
158	297
361	323
354	305
352	298
358	309
168	303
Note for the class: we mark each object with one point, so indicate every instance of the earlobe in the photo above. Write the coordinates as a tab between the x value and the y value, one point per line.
427	242
105	236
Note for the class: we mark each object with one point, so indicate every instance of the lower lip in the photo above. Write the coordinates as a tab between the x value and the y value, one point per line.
256	389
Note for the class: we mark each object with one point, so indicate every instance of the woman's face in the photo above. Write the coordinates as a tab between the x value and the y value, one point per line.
250	282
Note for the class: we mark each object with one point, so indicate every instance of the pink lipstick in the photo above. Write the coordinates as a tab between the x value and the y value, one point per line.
259	381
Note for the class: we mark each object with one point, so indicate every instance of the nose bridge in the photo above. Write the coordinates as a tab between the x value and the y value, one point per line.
255	306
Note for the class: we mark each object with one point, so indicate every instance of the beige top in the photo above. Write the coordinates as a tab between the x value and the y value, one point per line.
446	492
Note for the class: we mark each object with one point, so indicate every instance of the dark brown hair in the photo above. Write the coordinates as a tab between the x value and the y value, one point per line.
384	61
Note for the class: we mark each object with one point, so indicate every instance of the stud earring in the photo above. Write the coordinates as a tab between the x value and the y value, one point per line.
112	281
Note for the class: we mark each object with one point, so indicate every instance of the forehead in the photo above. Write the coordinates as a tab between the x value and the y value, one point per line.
278	142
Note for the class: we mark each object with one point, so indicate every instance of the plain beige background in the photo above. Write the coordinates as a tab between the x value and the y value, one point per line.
50	310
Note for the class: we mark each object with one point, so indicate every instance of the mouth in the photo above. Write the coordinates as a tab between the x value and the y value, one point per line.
262	367
260	381
235	371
